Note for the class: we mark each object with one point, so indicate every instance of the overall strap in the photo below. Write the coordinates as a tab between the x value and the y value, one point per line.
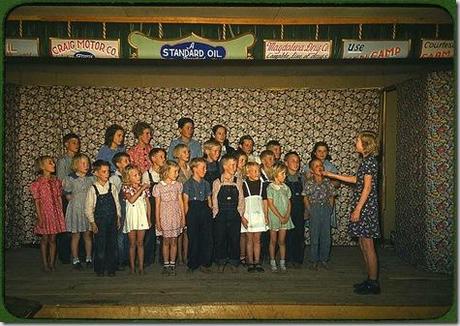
247	187
150	178
97	192
261	187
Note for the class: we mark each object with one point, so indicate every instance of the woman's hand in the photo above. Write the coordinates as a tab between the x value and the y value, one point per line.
355	215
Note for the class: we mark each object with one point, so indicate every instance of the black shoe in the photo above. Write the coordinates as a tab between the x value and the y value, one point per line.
259	268
77	266
358	285
111	274
89	264
368	288
252	268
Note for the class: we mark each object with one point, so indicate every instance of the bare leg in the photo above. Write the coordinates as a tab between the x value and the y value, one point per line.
363	250
372	264
250	247
74	244
140	250
282	243
52	249
256	245
273	238
243	245
166	245
173	249
132	250
44	252
88	238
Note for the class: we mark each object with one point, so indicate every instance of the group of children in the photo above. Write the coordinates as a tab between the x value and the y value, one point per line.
206	207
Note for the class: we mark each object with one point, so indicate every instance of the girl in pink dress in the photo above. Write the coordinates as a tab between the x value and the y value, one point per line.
169	212
47	191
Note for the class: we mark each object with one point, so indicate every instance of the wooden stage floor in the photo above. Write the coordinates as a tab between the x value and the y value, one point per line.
298	294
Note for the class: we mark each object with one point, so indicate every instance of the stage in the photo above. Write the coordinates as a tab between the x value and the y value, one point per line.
298	294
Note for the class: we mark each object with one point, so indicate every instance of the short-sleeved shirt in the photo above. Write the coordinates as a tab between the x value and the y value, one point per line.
64	167
318	193
139	157
254	188
197	190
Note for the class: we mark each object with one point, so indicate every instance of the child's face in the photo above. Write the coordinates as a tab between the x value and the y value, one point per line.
48	166
321	153
123	163
73	145
268	161
293	163
253	172
83	166
230	166
317	168
277	151
118	137
173	173
159	159
220	135
247	146
200	170
213	153
102	174
184	155
146	136
242	160
134	177
280	177
187	130
359	145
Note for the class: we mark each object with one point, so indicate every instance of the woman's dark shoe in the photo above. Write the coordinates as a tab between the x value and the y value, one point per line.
370	287
358	285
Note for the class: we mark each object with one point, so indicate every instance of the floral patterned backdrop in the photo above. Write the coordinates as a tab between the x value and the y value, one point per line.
425	175
37	118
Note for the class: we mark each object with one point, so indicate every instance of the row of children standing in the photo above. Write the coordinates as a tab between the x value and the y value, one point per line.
262	201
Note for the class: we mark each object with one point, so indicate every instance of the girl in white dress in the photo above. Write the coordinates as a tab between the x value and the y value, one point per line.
255	217
137	215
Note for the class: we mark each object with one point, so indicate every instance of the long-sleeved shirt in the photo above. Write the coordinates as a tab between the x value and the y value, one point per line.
91	198
193	145
64	166
140	156
106	153
215	191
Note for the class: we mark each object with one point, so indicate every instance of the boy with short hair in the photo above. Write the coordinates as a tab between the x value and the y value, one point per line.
228	208
120	160
102	210
275	147
246	145
267	159
212	150
186	128
157	157
197	206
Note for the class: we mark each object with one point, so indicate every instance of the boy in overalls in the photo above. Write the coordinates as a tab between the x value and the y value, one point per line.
228	207
103	212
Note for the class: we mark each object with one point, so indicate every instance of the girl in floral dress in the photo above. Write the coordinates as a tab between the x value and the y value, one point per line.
170	217
46	191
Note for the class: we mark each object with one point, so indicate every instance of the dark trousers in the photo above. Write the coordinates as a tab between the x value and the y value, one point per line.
227	227
295	237
199	231
264	245
63	240
105	245
150	243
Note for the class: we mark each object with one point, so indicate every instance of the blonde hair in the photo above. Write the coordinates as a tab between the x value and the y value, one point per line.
166	167
197	160
125	173
38	164
210	144
177	149
245	169
277	169
369	142
77	158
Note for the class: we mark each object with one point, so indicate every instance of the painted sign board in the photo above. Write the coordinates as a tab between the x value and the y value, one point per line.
20	47
437	49
359	49
192	47
84	48
286	50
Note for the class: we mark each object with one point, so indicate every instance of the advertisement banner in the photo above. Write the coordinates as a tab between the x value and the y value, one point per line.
192	47
84	48
437	49
287	50
19	47
358	49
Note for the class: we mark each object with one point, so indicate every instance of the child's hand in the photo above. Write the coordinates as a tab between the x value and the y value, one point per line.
245	222
158	226
145	186
94	227
266	220
68	197
149	223
355	215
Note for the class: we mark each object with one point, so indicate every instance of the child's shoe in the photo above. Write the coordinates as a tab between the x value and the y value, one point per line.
220	268
89	264
273	265
77	266
283	265
259	268
314	266
252	268
324	265
111	274
172	270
